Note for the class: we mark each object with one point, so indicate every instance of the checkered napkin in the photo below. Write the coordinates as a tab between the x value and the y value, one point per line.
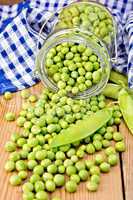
18	41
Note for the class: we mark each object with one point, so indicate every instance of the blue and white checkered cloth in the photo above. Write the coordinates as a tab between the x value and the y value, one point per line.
18	43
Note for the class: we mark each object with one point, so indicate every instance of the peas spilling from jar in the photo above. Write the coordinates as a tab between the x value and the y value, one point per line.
73	67
41	119
90	17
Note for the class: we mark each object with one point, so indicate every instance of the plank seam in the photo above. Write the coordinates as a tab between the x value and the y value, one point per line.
122	177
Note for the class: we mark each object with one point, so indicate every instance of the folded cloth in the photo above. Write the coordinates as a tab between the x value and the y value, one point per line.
18	41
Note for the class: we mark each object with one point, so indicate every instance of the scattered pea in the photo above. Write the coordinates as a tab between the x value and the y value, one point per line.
105	167
92	186
10	116
7	95
71	186
15	180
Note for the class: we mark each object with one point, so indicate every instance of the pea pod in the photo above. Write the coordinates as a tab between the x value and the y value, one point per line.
111	90
83	128
126	106
118	78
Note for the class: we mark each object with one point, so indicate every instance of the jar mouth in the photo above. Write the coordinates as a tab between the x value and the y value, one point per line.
100	5
75	35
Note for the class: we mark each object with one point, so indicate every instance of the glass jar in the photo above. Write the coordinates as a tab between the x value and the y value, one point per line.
91	16
53	33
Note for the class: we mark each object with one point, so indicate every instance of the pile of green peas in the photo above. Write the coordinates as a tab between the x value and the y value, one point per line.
73	67
88	16
30	150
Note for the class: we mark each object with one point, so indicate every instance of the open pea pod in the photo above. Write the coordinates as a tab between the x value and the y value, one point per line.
83	128
126	106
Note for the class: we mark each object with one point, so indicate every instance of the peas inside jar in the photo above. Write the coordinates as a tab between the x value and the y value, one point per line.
73	67
89	16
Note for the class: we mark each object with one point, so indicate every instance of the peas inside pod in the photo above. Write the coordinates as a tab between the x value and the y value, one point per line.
73	67
89	16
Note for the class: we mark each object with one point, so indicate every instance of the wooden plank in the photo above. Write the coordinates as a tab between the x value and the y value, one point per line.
127	162
9	2
110	187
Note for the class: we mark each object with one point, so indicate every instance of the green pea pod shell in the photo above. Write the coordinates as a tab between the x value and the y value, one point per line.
83	128
118	78
111	90
126	107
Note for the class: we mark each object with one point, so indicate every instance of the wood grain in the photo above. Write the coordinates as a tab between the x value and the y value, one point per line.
110	187
9	2
127	162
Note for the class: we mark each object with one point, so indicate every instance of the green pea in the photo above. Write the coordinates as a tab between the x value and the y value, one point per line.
50	186
75	178
10	146
69	55
94	170
31	164
32	98
105	143
52	169
15	137
108	136
28	195
10	116
83	174
25	94
61	169
35	129
38	170
71	186
97	136
58	162
14	156
110	150
71	170
113	159
10	166
80	165
95	178
41	195
80	153
89	164
15	180
105	167
59	180
97	144
31	156
40	155
39	186
71	152
120	146
90	149
27	187
117	136
99	158
96	76
92	186
60	155
47	176
23	174
21	165
7	95
75	90
46	162
34	178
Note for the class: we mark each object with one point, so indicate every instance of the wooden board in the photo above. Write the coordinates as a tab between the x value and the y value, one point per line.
127	163
110	187
9	2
